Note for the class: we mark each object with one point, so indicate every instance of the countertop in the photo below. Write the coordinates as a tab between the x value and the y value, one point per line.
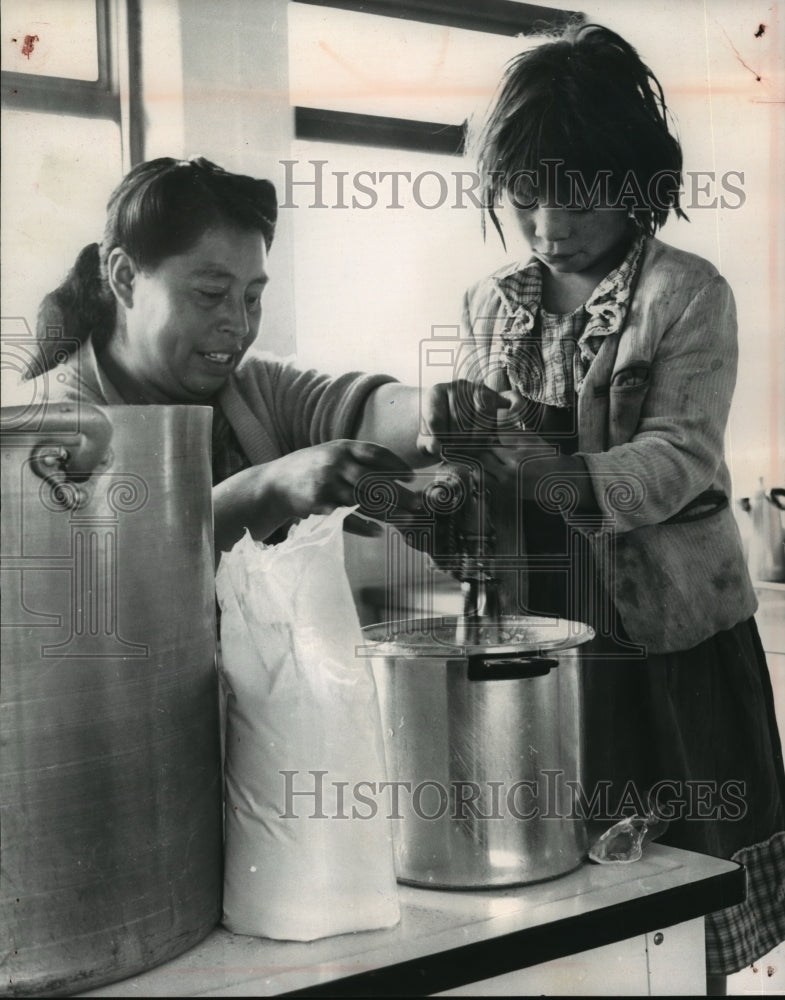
450	938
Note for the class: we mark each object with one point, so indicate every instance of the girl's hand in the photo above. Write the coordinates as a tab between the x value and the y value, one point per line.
509	458
526	463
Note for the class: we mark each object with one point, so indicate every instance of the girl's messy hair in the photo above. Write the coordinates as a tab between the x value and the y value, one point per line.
581	121
161	208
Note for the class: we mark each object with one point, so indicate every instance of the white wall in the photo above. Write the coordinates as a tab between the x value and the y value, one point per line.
729	120
216	85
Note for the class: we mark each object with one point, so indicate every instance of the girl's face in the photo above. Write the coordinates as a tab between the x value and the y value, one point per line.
191	319
571	241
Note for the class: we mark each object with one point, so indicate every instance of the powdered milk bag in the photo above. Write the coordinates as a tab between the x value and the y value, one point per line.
303	858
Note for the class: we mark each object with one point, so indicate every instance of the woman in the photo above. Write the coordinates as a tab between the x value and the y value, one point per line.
621	355
166	310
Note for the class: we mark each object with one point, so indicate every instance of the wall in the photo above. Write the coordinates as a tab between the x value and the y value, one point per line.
215	84
724	81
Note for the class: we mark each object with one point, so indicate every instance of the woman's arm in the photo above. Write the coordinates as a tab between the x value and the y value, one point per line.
312	418
418	423
246	500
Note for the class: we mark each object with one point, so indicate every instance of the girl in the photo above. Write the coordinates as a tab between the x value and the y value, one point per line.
620	355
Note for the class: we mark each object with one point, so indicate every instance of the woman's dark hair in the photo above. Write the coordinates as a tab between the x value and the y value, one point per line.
581	118
160	208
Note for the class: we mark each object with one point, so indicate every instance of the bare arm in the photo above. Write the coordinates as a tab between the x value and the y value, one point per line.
415	423
247	499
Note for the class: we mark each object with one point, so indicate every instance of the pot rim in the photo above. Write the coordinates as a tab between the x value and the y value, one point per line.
437	636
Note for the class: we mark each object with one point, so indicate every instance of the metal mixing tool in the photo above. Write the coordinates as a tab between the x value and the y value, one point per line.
466	541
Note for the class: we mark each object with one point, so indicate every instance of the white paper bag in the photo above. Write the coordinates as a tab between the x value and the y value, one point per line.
302	717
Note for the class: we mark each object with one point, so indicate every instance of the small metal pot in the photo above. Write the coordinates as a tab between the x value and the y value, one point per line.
483	747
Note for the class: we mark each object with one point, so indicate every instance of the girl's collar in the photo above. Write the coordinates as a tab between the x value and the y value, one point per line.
606	307
520	290
608	304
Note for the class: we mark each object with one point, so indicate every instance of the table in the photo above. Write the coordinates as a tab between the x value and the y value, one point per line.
500	940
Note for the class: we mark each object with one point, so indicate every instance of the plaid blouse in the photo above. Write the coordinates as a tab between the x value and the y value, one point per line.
546	355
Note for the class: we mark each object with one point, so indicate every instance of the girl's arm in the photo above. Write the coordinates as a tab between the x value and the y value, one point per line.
533	466
676	451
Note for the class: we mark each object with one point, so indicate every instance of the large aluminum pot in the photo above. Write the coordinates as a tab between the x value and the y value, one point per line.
110	770
482	732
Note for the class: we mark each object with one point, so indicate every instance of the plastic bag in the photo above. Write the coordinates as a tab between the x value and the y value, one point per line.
623	842
302	731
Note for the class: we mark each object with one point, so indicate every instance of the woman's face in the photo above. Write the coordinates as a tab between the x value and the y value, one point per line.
191	319
571	241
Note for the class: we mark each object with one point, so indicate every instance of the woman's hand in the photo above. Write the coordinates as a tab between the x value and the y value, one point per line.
460	413
313	480
340	473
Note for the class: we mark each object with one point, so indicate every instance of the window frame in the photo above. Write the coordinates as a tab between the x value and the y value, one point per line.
498	17
324	125
62	95
114	95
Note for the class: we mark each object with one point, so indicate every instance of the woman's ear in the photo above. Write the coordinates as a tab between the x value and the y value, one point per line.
121	273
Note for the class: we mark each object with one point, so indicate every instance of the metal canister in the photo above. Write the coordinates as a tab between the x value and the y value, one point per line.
110	769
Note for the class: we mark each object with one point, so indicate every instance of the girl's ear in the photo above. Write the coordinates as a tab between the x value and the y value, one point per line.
121	273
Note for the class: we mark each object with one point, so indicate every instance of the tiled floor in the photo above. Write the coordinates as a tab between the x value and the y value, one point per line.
765	978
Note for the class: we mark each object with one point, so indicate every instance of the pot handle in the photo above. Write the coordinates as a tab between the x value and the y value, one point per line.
68	442
777	495
482	668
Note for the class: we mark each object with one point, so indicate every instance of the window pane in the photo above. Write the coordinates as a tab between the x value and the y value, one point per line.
51	38
54	195
368	64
